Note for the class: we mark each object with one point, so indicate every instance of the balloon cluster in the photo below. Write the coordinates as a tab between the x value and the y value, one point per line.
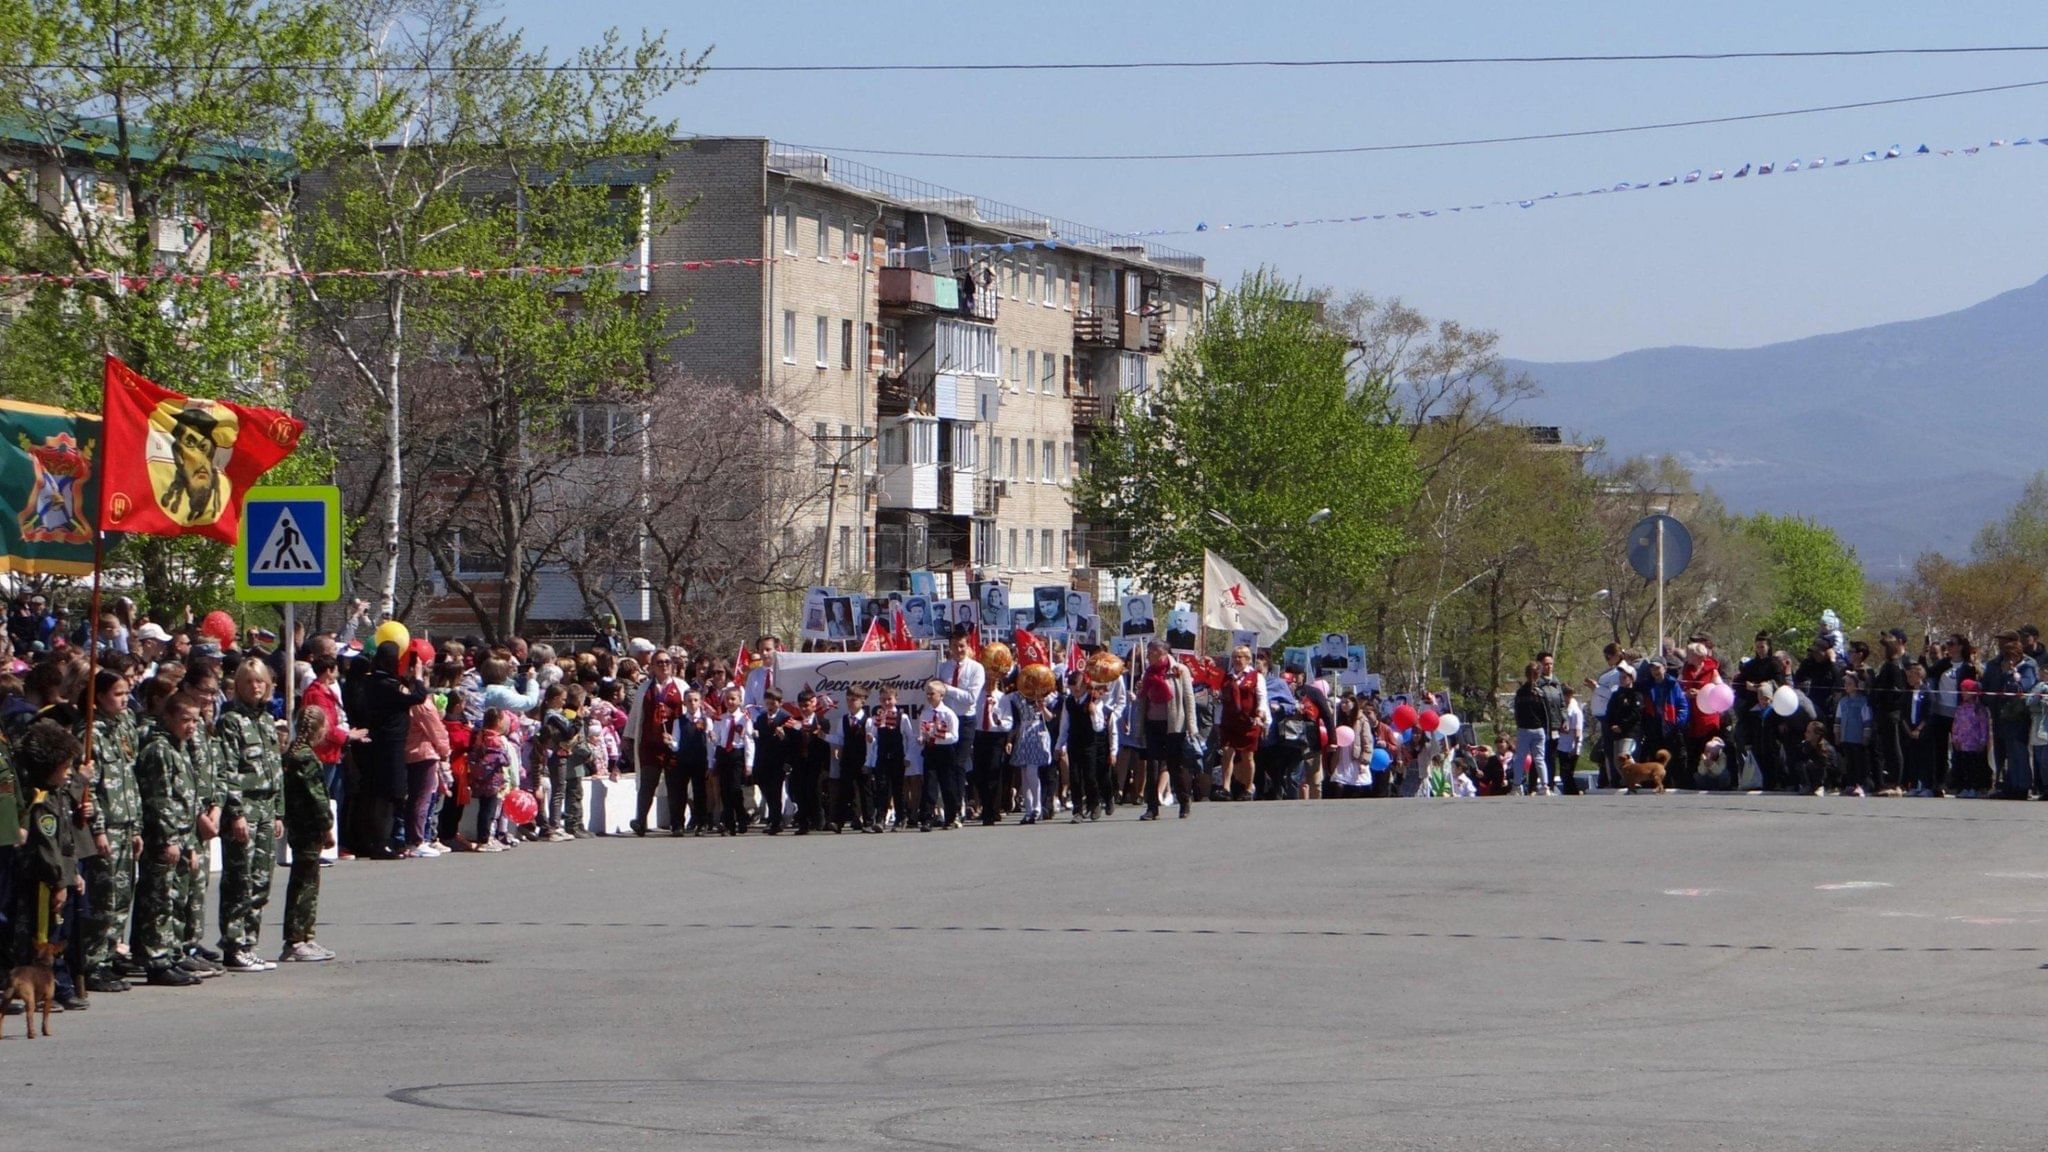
1429	720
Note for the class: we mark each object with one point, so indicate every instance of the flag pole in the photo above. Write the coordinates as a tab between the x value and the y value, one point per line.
92	636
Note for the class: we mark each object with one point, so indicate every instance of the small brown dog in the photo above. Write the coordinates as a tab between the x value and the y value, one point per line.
35	985
1635	774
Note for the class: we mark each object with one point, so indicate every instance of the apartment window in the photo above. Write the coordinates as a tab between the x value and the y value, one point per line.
818	541
1037	284
789	337
1067	547
1045	375
819	457
1031	371
1046	461
1009	274
1031	461
846	344
1012	473
821	236
892	342
1045	547
1028	549
860	245
1069	473
1051	274
1067	293
867	442
1013	365
894	446
789	229
824	333
845	547
1067	374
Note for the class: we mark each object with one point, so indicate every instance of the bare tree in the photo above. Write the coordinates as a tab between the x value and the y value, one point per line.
723	512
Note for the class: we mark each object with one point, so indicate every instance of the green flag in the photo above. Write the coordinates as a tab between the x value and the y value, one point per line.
49	489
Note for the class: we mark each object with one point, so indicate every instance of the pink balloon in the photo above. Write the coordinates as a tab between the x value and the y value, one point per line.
1716	698
1346	737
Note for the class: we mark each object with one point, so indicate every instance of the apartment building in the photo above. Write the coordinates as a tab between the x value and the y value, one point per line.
978	343
942	357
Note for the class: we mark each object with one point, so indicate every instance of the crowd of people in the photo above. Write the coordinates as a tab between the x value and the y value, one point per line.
130	777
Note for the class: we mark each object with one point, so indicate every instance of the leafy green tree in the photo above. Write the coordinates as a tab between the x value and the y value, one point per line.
1811	569
448	143
144	139
1256	426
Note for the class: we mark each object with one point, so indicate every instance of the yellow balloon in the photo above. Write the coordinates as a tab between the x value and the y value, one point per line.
393	632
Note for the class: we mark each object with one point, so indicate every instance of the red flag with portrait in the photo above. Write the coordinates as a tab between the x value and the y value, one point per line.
180	465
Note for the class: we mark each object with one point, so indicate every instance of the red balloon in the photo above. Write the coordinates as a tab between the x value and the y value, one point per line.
219	627
1403	718
1428	720
521	807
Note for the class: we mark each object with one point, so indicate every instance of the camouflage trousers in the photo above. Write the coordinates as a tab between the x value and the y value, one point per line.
245	873
302	893
159	937
189	902
111	880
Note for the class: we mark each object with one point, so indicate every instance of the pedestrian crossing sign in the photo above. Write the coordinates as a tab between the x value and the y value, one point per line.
290	545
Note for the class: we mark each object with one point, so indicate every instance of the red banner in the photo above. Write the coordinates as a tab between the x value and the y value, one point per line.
179	465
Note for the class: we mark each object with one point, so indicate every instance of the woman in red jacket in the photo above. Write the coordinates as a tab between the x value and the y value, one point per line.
324	693
1243	723
1700	670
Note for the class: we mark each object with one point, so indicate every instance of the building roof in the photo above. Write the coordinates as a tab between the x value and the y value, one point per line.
96	136
822	169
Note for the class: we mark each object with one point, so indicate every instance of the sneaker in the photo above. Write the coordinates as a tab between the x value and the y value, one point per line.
171	977
105	980
242	962
1856	792
304	952
203	952
194	967
583	834
639	827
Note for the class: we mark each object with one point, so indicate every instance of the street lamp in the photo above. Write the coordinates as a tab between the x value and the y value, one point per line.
853	443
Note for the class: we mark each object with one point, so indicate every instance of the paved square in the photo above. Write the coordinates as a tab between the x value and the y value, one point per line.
1613	972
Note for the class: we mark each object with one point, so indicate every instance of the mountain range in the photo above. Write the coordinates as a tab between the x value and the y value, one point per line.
1903	437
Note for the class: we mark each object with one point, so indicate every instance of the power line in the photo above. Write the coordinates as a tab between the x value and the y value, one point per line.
1089	65
1384	61
1357	149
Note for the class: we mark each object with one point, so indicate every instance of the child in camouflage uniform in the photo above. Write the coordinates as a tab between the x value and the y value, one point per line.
309	829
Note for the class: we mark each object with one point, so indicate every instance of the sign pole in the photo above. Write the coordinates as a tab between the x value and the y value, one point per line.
291	668
1660	588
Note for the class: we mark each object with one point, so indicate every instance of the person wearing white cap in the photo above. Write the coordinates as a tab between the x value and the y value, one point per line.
150	641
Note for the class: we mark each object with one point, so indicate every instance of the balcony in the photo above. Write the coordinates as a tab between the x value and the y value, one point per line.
1121	331
988	496
957	490
1090	412
920	293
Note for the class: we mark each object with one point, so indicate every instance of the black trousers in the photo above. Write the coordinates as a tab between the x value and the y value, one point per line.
888	786
692	780
731	768
1087	777
990	774
770	776
1888	751
949	761
1165	752
1934	735
655	767
803	788
853	797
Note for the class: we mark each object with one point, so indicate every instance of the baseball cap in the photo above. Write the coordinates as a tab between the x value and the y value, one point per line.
151	630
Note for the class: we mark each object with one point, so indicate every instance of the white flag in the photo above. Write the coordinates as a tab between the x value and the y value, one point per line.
1230	603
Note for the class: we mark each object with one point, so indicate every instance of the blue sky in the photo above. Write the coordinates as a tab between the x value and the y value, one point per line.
1726	265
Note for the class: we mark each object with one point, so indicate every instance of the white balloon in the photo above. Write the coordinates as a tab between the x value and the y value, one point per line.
1447	725
1785	701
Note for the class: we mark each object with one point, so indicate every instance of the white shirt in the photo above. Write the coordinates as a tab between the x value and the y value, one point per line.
966	686
760	680
1603	690
1574	730
734	729
913	752
944	725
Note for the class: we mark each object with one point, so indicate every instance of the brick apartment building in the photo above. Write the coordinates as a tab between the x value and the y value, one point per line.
917	316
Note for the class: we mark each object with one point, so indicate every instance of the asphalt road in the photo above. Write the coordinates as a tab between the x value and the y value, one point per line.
1613	972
